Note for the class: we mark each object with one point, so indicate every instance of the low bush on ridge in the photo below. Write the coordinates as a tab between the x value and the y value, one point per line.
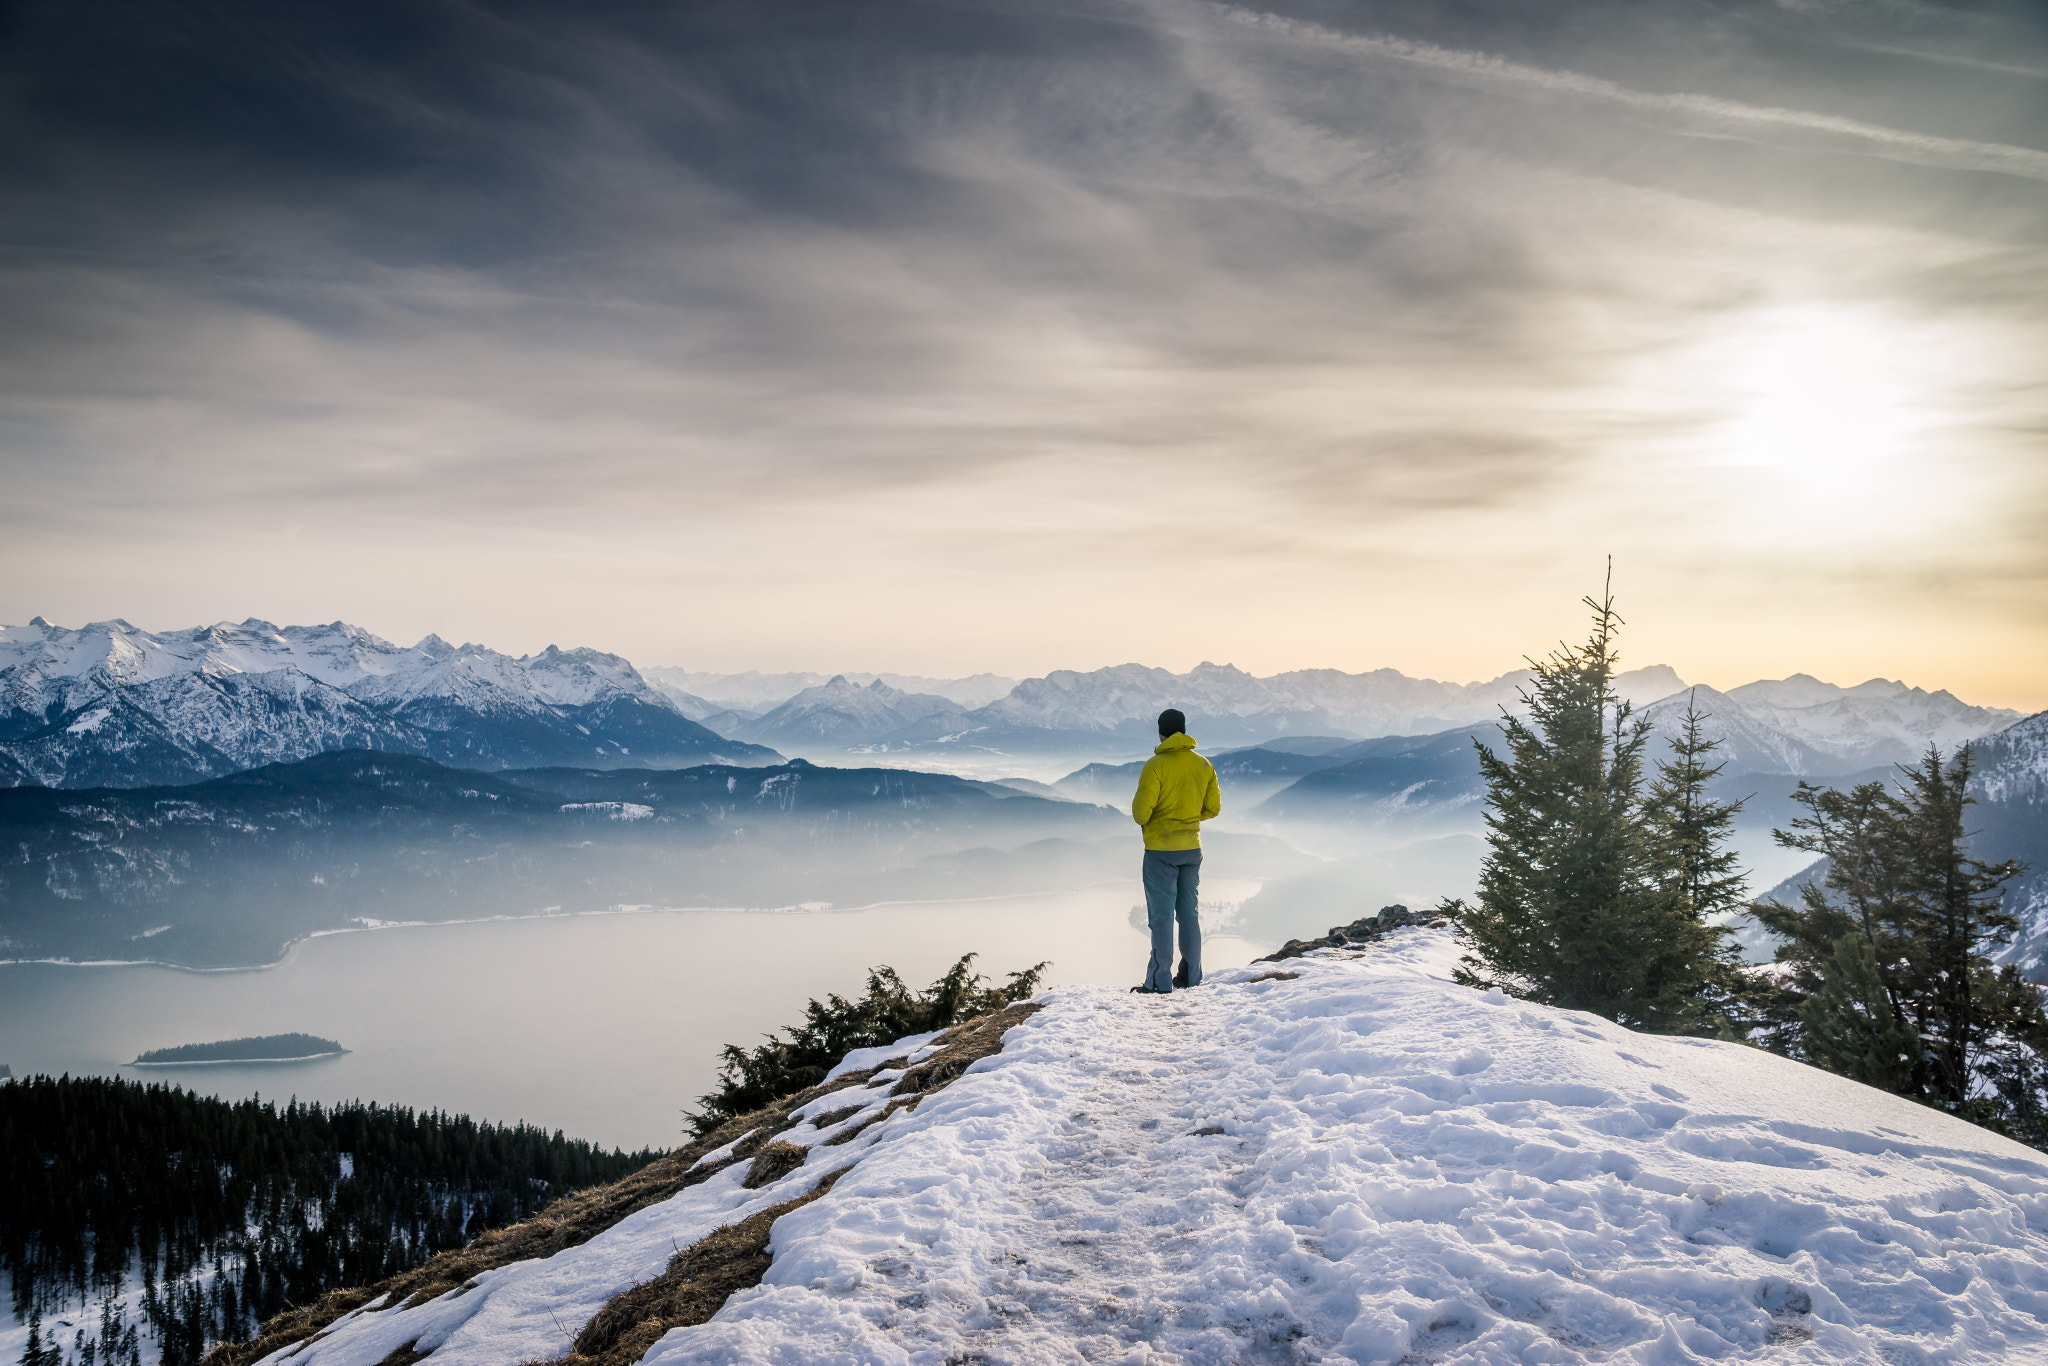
751	1078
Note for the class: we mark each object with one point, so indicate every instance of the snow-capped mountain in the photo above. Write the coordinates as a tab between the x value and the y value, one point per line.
1873	723
2010	820
2012	766
754	693
1750	743
109	704
841	712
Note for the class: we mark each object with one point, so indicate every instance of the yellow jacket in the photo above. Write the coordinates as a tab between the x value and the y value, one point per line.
1176	792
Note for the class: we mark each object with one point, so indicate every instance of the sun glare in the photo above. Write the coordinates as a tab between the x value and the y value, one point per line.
1818	395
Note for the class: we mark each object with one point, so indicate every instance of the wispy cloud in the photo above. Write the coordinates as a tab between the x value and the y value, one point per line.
1690	113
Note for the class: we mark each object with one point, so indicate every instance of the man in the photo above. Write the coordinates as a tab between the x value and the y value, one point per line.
1176	793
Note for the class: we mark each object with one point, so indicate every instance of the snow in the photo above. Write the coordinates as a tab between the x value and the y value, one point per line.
89	722
2015	766
618	811
1364	1164
913	1048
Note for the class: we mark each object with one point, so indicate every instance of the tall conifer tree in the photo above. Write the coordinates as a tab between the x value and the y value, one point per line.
1574	908
1689	830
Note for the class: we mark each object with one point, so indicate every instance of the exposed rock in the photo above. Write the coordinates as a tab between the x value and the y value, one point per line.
1360	932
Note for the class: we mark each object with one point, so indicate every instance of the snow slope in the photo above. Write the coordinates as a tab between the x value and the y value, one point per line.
1363	1164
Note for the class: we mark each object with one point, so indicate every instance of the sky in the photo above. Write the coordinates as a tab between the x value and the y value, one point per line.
950	337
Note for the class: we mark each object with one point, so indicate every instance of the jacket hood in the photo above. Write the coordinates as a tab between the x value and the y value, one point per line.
1173	742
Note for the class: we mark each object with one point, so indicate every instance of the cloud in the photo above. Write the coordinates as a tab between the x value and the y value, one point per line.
835	322
1693	113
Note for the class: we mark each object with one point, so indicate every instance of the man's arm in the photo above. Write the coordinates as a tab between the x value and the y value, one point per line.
1212	798
1147	799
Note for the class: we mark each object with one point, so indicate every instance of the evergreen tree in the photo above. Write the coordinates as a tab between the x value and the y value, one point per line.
1959	903
32	1352
1689	832
1851	1027
1855	832
1960	1033
1689	829
1578	904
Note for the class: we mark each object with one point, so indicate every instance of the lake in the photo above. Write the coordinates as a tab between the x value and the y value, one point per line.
605	1026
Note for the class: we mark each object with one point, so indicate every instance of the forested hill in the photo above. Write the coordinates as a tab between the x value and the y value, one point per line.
231	871
97	1173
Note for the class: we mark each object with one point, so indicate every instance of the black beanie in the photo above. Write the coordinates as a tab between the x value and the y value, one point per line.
1171	722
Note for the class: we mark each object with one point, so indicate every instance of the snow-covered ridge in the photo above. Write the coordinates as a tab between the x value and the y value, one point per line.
111	703
1350	1160
38	658
2013	765
845	712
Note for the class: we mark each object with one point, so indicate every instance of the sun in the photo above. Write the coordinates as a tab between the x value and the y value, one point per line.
1818	395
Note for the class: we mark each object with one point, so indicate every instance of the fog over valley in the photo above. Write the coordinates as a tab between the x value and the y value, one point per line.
241	786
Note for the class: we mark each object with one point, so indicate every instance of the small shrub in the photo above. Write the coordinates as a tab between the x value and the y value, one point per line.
751	1078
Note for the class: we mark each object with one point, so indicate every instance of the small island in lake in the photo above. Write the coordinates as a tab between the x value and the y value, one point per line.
264	1048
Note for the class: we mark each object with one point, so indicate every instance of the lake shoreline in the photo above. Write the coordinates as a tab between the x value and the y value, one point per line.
242	1062
798	908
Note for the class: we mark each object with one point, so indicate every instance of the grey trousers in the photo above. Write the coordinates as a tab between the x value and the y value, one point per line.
1172	879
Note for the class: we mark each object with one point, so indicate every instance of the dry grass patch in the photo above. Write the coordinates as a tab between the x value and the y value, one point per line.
775	1161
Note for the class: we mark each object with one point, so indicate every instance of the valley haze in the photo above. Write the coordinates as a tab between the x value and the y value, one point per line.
209	796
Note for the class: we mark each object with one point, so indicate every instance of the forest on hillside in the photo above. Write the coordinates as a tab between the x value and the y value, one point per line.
229	1211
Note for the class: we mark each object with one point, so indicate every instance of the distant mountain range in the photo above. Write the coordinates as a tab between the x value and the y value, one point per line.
111	705
1113	711
751	694
1796	725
